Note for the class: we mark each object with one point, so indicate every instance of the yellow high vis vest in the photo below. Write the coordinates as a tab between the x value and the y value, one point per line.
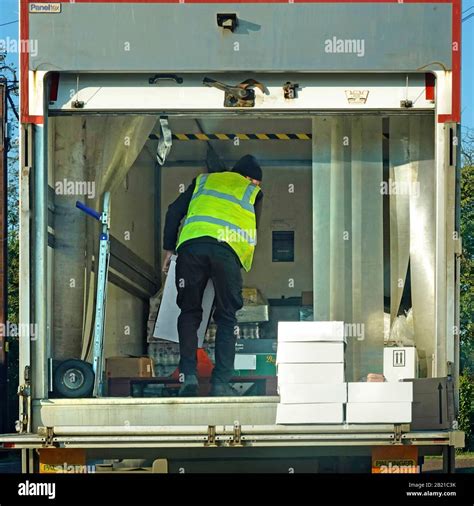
222	206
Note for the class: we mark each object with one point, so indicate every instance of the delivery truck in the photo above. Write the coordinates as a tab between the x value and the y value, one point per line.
353	110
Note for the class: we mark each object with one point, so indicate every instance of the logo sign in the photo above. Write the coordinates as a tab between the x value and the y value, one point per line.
357	96
399	358
45	8
401	459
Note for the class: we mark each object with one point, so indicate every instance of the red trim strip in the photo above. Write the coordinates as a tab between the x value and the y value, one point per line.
455	115
24	67
429	86
249	1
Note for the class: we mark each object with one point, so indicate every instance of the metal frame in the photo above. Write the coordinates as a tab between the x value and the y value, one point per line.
3	251
26	161
233	436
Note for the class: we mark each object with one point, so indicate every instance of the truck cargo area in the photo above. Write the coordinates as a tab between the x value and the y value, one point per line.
322	179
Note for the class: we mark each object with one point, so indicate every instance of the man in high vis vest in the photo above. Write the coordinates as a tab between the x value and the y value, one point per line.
218	238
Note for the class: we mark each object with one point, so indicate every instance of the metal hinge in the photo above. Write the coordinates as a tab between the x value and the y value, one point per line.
211	436
48	434
458	246
397	435
24	393
237	436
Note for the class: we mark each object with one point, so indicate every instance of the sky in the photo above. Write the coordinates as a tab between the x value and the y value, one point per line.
9	12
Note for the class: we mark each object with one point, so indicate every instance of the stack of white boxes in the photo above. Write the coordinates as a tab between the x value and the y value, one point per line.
389	401
310	361
384	402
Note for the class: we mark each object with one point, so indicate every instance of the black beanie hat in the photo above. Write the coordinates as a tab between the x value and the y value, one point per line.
248	166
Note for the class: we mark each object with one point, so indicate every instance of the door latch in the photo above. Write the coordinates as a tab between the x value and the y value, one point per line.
290	90
241	95
160	77
227	21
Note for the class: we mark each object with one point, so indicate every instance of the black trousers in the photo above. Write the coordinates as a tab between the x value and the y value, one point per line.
196	263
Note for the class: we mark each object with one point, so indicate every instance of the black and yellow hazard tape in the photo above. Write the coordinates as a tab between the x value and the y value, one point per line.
242	137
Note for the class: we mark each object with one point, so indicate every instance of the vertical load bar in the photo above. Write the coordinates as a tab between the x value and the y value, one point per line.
101	294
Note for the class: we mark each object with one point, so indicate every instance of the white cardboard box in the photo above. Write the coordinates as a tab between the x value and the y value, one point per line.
310	373
166	326
400	363
310	413
310	393
380	392
311	331
378	412
301	353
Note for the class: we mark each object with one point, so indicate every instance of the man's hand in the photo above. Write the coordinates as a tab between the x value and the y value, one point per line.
167	261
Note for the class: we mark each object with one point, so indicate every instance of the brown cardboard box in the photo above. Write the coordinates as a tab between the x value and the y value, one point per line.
306	298
433	403
129	367
249	295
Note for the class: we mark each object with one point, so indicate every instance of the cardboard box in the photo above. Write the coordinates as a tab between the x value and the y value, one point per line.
378	412
311	331
380	392
310	413
306	298
310	373
400	363
250	313
433	403
250	295
166	326
312	393
301	353
375	377
129	367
